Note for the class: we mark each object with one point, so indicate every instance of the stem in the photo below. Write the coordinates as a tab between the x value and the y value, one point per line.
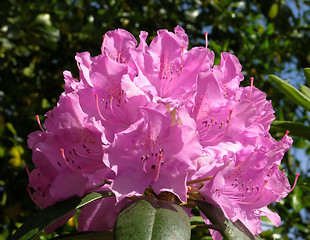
199	180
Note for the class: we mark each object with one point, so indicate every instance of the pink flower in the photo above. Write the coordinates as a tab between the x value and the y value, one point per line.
110	95
153	152
226	114
248	182
68	155
167	71
158	116
100	215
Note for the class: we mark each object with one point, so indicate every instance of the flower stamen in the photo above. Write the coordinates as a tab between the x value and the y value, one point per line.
251	87
182	55
32	198
260	196
39	122
160	156
98	108
73	169
226	130
294	185
27	170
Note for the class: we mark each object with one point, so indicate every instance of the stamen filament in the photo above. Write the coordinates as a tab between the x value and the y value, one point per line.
252	82
27	170
103	44
294	185
75	170
226	130
260	196
32	198
86	156
206	38
98	109
38	120
183	48
160	156
111	108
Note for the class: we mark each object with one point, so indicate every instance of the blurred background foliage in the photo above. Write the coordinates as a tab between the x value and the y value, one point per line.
39	39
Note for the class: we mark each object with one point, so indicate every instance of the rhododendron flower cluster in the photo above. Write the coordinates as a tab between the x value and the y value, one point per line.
163	118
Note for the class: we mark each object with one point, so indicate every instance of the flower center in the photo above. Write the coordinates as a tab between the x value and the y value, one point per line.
215	128
168	74
74	157
39	122
153	162
112	108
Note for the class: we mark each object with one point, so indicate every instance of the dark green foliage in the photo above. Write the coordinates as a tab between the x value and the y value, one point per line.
228	229
149	218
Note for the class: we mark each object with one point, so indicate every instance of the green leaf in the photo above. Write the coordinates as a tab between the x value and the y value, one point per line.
297	199
51	214
11	128
229	230
92	197
307	75
149	218
305	90
295	128
291	92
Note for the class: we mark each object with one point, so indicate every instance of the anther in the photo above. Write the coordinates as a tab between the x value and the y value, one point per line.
224	134
206	39
264	186
75	170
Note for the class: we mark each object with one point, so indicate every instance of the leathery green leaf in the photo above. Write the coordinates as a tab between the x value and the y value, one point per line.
307	75
296	200
229	230
291	92
305	90
295	128
152	219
